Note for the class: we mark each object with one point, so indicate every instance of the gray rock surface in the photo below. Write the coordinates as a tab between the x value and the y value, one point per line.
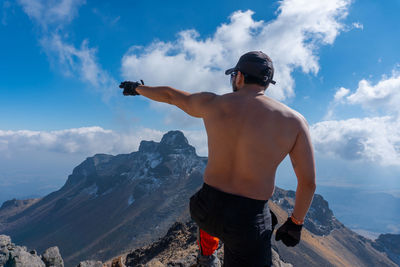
3	256
390	244
319	220
4	241
277	262
12	255
19	257
52	257
90	264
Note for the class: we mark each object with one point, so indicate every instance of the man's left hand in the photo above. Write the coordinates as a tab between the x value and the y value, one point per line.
289	233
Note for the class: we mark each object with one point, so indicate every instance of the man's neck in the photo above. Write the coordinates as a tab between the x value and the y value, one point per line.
252	90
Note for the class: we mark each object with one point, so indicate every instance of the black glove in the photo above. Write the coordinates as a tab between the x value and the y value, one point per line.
130	87
289	233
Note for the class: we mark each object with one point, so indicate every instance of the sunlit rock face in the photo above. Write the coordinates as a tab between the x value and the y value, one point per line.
111	202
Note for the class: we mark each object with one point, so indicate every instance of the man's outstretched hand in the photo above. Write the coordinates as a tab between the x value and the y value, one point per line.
289	233
130	87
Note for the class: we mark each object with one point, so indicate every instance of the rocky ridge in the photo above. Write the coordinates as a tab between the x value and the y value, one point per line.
176	248
390	244
319	220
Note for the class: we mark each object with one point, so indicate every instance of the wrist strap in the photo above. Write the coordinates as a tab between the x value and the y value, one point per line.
296	221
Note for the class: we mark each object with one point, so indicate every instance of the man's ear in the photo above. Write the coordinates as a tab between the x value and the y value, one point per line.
239	79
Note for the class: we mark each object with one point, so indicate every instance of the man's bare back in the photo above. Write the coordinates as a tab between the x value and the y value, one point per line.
248	136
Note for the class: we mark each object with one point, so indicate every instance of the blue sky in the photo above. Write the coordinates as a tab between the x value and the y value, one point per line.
337	63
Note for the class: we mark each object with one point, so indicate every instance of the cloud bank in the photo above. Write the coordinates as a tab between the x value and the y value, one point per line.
194	64
374	139
86	141
292	41
50	12
384	95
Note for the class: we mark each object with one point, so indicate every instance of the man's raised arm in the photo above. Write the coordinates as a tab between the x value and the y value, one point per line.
198	105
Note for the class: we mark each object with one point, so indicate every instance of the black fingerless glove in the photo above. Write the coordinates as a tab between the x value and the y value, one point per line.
130	87
289	233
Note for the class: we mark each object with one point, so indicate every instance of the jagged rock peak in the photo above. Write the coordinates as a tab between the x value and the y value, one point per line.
174	138
148	146
319	220
172	142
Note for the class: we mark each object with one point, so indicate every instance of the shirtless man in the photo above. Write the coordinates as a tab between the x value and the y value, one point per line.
249	134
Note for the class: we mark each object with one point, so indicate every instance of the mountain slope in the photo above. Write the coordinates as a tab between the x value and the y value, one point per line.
111	204
336	246
325	242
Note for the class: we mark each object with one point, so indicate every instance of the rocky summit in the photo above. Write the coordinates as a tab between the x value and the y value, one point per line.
320	219
389	244
12	255
133	209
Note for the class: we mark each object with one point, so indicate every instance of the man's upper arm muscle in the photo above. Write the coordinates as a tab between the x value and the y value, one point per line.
302	155
198	105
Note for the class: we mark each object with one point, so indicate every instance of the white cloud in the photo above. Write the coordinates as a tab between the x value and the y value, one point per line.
81	62
51	12
86	141
337	99
194	64
374	139
358	25
52	16
383	95
342	92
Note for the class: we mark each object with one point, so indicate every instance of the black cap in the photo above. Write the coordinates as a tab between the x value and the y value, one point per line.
256	64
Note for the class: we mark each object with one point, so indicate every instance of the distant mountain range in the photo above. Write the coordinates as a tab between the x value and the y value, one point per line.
110	205
355	207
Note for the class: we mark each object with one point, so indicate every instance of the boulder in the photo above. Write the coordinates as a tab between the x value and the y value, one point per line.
277	262
118	262
90	264
52	257
4	241
19	257
3	256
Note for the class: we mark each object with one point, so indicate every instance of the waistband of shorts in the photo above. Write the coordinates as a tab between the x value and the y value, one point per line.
216	194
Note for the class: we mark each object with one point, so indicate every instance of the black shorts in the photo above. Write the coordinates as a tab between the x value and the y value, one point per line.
244	225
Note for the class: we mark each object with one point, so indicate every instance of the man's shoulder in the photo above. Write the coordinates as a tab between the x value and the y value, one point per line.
225	100
285	109
291	115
